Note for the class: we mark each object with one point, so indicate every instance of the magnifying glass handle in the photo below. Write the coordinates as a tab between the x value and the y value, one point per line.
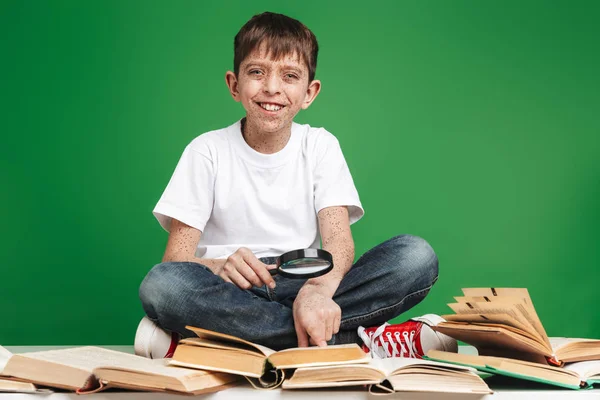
273	271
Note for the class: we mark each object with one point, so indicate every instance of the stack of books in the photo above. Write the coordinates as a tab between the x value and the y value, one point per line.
504	326
212	361
322	367
501	323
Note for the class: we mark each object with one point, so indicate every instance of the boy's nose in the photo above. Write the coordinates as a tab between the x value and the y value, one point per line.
272	84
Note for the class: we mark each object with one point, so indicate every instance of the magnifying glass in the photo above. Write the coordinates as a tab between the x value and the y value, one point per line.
303	264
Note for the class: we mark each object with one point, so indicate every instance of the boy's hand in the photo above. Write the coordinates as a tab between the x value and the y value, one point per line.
316	316
244	270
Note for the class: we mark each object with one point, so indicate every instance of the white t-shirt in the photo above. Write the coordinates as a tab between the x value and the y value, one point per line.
268	203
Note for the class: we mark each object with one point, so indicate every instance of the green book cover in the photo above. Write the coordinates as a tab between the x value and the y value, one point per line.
499	371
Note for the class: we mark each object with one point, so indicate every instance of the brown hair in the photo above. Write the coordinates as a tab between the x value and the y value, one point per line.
282	35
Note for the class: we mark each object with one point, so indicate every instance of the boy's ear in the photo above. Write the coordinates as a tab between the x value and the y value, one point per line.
232	84
311	93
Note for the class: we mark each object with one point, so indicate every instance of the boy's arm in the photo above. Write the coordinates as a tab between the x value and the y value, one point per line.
316	315
182	243
242	268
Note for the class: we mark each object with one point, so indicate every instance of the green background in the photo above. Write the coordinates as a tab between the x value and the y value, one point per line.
473	124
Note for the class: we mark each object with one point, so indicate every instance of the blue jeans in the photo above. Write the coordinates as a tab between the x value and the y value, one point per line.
385	282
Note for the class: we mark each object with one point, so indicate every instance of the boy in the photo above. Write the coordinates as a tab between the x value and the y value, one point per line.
243	195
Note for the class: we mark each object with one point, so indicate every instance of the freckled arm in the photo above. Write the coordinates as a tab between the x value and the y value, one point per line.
336	237
182	243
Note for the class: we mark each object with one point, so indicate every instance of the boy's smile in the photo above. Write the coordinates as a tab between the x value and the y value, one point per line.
271	107
272	93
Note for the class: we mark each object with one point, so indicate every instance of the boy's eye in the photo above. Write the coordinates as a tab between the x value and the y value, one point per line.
291	76
255	72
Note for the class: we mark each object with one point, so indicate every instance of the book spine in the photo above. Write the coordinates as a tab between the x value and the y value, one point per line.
554	361
92	385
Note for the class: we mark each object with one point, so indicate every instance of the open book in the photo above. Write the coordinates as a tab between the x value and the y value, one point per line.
391	375
5	355
91	369
263	367
15	386
573	375
503	322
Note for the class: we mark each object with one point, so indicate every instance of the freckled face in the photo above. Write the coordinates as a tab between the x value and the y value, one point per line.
272	91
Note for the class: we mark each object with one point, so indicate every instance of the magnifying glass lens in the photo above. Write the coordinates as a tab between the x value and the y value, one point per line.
303	266
304	263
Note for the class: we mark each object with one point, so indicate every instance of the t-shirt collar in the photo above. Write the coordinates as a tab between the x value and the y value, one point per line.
260	159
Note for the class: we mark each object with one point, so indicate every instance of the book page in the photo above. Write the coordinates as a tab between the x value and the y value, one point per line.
525	304
241	347
440	381
85	358
381	369
520	304
152	367
496	341
495	326
485	299
522	293
576	349
391	366
515	311
558	342
488	310
220	360
503	295
585	369
228	339
13	386
483	362
503	319
157	374
318	356
510	367
4	356
334	376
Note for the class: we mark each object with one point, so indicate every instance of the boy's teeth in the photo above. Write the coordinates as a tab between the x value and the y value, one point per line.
270	107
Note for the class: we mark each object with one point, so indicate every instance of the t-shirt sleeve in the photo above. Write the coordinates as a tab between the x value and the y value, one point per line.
189	195
334	185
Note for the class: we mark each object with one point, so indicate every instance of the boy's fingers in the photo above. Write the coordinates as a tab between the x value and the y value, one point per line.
328	329
302	336
239	280
250	275
260	269
266	277
317	334
319	340
336	324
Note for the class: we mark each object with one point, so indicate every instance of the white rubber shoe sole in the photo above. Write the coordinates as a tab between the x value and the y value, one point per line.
435	340
153	342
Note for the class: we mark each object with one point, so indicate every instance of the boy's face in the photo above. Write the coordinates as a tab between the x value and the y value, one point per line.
272	91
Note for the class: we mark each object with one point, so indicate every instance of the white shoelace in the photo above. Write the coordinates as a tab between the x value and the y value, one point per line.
388	347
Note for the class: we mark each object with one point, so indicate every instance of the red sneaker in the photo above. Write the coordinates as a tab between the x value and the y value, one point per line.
412	338
153	342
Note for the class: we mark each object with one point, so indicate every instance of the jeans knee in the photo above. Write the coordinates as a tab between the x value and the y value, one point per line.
418	259
152	288
165	284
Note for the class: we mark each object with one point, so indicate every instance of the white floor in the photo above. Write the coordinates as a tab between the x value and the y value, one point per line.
523	391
